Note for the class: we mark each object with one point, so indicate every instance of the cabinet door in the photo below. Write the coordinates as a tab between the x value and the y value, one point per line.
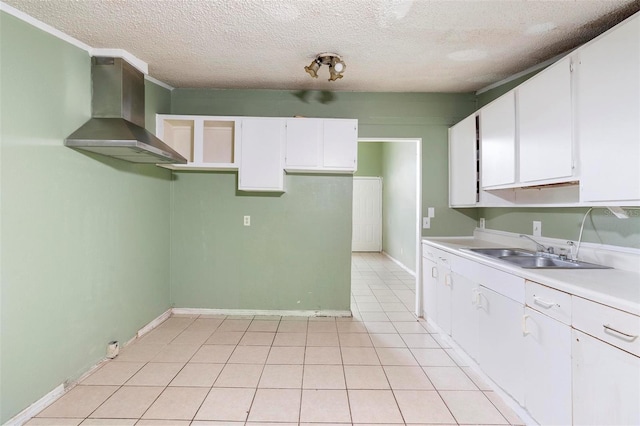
340	144
443	295
463	176
498	142
429	286
261	155
303	143
464	314
544	125
547	373
606	383
608	116
501	349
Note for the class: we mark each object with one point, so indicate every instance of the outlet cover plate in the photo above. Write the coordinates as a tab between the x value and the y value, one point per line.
537	228
426	222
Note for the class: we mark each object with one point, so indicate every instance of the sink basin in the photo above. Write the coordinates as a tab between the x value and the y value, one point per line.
531	260
543	262
501	252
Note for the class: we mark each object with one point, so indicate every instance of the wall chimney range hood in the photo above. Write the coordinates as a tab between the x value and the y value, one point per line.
116	128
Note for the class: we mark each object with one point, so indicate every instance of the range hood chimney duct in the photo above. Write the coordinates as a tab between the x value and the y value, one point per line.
116	128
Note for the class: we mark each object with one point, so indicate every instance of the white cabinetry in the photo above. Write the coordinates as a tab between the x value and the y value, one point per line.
436	270
606	383
463	163
321	145
501	349
498	142
465	297
261	155
547	351
545	142
608	115
208	143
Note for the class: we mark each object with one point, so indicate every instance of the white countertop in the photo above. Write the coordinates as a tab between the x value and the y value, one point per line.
613	287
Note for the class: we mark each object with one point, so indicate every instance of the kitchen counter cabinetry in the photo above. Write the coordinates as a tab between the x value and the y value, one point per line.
563	358
436	270
606	364
546	328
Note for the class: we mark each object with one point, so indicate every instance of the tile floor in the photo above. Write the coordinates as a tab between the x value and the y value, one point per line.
381	366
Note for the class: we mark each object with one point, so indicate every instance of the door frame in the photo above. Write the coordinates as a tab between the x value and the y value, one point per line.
378	178
418	268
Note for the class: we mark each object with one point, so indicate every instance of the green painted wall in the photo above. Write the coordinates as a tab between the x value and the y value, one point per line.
369	159
296	255
600	227
85	241
399	201
157	100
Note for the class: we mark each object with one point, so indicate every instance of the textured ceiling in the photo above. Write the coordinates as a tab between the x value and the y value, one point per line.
387	45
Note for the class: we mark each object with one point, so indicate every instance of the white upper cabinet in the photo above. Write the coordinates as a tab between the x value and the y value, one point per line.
304	143
608	115
261	155
321	145
545	126
498	142
463	163
340	150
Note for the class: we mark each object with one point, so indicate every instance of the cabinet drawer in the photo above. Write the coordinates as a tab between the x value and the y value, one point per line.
619	328
549	301
429	253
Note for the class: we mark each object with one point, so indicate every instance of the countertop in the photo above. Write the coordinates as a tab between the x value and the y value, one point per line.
613	287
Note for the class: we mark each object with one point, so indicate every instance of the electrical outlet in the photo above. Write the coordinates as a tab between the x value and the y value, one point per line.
537	228
482	223
426	222
431	211
247	221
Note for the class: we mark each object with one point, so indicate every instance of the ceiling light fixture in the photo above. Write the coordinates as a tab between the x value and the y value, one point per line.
333	61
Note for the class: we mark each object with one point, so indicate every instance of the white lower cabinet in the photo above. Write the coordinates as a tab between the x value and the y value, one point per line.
464	313
606	383
429	285
547	372
501	348
436	274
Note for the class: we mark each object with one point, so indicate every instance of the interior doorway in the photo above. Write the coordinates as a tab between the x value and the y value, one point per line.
367	214
400	176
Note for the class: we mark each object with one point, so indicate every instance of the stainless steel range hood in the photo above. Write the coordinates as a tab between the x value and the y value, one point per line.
116	128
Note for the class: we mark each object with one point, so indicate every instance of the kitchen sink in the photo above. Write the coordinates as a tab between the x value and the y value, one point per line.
531	260
544	262
500	252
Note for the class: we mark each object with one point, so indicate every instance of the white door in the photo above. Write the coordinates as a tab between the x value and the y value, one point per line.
367	214
547	373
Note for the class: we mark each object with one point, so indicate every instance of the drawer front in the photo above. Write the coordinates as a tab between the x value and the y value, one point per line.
430	252
619	328
503	283
549	301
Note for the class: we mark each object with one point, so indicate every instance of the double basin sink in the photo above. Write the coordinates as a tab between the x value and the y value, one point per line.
532	260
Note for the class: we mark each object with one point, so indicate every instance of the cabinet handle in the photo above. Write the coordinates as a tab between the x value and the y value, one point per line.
434	272
447	280
475	297
524	325
543	303
620	334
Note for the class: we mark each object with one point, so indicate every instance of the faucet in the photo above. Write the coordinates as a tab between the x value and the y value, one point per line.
539	247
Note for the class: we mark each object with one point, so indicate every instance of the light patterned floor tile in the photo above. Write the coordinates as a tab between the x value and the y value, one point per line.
472	407
155	374
253	338
129	402
433	358
113	373
449	378
79	401
396	356
290	339
365	377
374	406
323	377
407	378
51	421
225	338
226	404
286	355
281	377
323	355
276	405
423	407
323	406
176	353
360	356
239	376
213	354
197	375
177	403
249	355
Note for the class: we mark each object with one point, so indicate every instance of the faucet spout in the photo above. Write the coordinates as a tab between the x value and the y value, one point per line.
539	247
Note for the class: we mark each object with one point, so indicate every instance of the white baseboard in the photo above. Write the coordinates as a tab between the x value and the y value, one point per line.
24	415
153	324
283	313
400	264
